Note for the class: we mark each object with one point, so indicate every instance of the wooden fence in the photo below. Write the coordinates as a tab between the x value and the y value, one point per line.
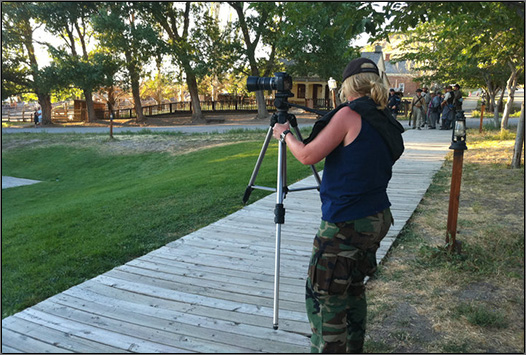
70	114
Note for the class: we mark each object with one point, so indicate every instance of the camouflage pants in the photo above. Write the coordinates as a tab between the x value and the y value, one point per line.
342	256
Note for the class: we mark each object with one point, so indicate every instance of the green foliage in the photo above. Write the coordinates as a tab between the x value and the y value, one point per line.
19	64
316	35
468	42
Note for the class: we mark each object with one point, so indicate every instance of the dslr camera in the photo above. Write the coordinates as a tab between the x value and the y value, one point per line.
281	82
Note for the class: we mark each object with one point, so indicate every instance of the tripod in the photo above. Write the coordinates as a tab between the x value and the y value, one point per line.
281	116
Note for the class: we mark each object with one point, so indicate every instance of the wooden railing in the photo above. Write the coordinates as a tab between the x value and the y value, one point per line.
71	115
17	116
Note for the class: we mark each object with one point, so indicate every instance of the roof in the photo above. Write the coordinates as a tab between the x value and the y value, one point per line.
377	57
399	68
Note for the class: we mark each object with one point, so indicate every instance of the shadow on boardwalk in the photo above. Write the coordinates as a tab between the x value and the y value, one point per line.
212	290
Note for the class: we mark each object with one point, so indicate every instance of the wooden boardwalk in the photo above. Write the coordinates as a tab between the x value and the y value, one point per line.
212	290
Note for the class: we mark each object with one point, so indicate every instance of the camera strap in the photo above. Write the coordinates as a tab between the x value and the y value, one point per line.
381	120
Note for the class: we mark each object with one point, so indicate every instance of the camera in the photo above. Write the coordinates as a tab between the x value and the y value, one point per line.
281	82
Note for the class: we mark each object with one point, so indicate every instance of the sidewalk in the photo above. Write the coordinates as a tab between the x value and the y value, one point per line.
212	290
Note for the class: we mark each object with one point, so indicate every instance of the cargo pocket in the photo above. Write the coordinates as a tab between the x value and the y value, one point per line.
320	273
368	265
341	275
331	274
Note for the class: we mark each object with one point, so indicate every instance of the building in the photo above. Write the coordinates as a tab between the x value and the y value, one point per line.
398	76
378	58
312	92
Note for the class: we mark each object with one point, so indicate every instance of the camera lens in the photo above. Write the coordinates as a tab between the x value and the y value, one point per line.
256	83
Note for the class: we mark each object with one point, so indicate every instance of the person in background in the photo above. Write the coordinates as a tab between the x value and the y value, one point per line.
360	141
35	117
447	108
394	103
434	109
39	113
427	99
418	104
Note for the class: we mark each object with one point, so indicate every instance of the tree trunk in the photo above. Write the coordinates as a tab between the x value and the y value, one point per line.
260	96
519	141
191	81
510	86
44	101
111	98
89	106
136	93
262	106
496	109
250	50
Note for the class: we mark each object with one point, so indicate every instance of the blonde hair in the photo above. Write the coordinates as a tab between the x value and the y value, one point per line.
365	84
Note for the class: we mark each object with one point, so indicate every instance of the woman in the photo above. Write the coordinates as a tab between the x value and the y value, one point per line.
360	141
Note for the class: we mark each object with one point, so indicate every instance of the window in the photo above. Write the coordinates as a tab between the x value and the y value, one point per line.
301	91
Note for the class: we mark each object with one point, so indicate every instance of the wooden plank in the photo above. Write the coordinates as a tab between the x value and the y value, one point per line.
98	292
214	275
197	330
152	286
62	340
92	332
24	343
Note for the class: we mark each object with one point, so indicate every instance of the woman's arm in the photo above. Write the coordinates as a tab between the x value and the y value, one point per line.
343	127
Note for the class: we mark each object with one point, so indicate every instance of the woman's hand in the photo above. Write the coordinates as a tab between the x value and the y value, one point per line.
280	128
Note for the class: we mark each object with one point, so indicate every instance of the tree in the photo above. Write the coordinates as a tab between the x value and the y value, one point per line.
315	37
252	28
122	30
22	74
465	40
193	40
108	65
70	21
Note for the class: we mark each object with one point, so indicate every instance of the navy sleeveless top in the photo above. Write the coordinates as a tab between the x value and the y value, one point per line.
355	178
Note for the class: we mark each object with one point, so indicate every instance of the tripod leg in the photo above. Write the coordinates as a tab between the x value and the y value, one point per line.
249	189
279	219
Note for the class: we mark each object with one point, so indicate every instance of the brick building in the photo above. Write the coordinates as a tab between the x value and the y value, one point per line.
399	75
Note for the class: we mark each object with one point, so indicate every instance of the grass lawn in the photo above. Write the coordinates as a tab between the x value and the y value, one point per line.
104	202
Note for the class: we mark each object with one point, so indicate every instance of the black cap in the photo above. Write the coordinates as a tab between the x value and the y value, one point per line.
355	66
418	90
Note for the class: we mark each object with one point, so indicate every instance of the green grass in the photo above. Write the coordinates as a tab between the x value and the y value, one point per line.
481	315
95	211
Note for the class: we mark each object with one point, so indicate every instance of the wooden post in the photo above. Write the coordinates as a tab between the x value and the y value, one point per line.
111	125
454	197
481	116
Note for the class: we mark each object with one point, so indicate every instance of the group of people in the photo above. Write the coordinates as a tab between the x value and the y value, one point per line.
427	108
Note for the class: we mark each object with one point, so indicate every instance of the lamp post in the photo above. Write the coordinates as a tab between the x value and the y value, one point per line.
458	144
332	87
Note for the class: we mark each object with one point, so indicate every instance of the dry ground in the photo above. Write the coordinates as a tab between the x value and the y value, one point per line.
425	300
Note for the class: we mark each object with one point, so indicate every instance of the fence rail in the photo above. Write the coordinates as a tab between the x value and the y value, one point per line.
69	114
